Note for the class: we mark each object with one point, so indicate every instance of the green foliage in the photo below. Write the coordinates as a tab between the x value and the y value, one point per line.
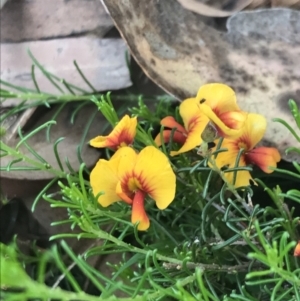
213	243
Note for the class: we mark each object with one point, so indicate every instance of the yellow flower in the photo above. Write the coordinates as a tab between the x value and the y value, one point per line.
264	157
122	135
189	135
129	177
215	102
218	103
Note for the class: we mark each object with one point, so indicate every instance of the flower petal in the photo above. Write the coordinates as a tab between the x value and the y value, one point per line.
194	123
263	157
243	177
252	133
138	212
253	130
219	97
194	136
177	137
123	134
297	249
154	173
104	179
122	194
189	112
99	141
108	176
171	123
124	160
229	156
214	100
231	119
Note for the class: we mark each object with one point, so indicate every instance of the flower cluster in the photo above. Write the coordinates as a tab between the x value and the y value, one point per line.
215	108
130	176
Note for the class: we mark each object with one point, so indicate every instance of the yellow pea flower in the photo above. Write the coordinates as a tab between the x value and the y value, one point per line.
218	103
264	157
122	135
214	102
130	177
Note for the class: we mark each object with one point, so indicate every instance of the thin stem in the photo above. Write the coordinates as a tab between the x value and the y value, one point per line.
212	267
83	77
230	187
168	261
51	98
40	166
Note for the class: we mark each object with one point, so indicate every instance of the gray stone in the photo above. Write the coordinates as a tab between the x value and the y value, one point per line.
40	19
103	62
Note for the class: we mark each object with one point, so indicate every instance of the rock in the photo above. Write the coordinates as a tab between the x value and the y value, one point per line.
102	61
43	19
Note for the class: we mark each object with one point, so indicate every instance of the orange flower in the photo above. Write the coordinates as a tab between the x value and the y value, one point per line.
297	250
122	135
190	134
264	157
215	102
130	177
218	103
